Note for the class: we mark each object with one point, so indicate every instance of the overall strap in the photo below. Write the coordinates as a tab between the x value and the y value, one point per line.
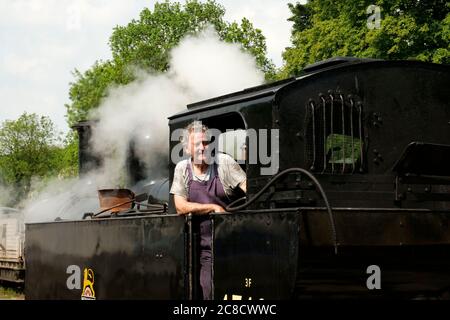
189	170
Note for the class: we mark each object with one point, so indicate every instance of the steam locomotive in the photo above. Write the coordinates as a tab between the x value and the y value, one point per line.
359	205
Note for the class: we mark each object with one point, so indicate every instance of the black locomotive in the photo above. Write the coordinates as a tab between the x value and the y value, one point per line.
361	190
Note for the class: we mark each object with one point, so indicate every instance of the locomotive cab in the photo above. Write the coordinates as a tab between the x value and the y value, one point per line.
375	135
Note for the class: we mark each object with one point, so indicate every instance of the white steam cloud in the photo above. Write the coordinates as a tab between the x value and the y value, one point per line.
202	67
208	67
65	199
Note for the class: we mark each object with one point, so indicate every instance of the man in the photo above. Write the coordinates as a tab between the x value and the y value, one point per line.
202	185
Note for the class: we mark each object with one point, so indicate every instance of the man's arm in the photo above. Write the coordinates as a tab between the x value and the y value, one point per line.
184	207
243	186
232	173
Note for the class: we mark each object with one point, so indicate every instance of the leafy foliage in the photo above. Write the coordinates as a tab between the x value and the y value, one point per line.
145	43
410	29
91	86
66	157
28	149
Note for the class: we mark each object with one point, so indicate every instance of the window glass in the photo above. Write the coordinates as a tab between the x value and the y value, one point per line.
343	149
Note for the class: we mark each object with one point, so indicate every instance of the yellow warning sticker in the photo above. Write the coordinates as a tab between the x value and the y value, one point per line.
88	292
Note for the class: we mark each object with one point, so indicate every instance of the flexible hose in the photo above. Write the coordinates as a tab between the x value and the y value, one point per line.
230	207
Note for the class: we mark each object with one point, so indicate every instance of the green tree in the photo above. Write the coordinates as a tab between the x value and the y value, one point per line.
31	147
146	43
65	157
91	86
410	29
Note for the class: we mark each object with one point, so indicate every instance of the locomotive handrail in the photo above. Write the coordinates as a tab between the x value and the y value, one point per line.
230	207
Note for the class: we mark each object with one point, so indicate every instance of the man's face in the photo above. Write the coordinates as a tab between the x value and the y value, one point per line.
197	147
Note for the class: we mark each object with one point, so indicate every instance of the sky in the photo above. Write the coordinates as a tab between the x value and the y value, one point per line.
43	41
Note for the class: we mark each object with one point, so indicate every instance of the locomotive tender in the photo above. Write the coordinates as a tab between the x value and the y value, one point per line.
369	141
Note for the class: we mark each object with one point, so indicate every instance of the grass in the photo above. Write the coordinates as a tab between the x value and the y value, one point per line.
11	293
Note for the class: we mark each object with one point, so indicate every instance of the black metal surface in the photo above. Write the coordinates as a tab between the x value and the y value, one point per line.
240	96
411	247
87	160
424	159
158	191
406	272
134	258
333	62
255	255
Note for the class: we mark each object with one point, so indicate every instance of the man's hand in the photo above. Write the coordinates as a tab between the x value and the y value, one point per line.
217	208
184	207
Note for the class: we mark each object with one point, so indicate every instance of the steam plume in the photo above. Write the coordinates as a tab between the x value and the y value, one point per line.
201	67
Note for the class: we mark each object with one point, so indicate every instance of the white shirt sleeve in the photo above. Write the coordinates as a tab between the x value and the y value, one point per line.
178	184
230	172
